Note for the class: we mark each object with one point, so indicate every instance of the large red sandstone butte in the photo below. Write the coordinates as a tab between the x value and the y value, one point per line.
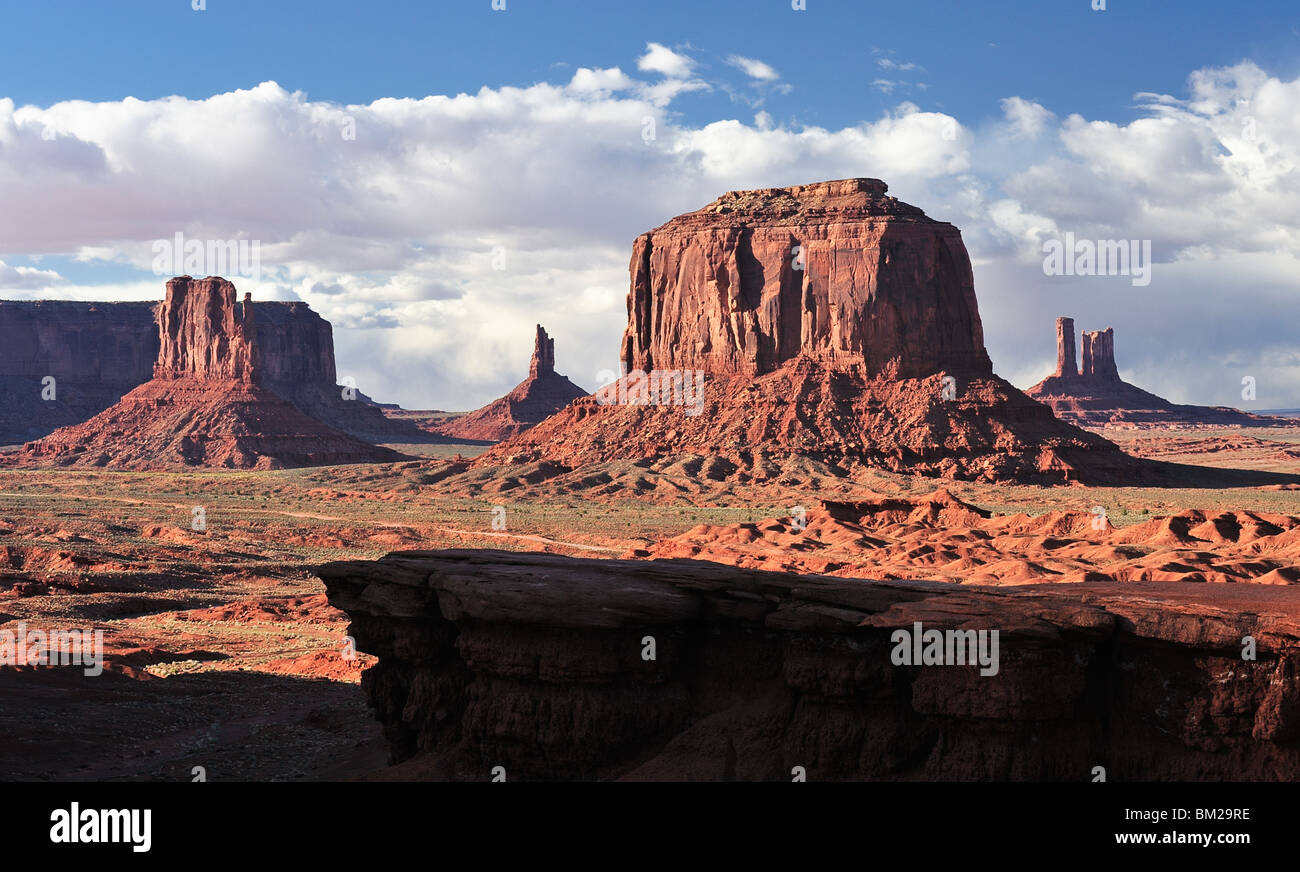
828	320
206	404
97	352
532	401
836	271
1095	395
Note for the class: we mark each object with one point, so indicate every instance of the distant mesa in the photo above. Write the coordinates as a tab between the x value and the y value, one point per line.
1095	396
532	401
829	320
96	352
63	362
207	403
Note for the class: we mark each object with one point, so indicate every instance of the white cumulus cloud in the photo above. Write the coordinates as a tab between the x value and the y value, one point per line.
753	68
435	232
661	59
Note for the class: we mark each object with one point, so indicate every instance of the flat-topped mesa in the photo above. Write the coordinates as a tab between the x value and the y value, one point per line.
1067	359
98	352
836	271
543	361
205	333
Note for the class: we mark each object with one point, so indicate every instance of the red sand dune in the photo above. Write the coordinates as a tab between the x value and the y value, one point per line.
938	537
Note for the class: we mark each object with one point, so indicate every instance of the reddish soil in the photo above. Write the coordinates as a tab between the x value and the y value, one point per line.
939	537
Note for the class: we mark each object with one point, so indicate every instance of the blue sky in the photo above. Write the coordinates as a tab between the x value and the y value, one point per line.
124	123
1060	53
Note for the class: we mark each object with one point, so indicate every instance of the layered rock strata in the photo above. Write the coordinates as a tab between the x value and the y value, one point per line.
62	362
555	668
207	404
835	270
96	352
827	320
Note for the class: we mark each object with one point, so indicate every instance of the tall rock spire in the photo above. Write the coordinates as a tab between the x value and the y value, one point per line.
1097	396
1099	355
543	354
1067	359
533	400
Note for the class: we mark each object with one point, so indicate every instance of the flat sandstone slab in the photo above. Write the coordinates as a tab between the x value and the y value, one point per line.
560	668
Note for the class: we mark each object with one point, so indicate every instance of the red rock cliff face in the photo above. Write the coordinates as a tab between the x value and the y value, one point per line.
834	270
543	362
1067	359
206	405
99	351
205	333
111	344
296	345
95	352
536	662
116	344
1099	355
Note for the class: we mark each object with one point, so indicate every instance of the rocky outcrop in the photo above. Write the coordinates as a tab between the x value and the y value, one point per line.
1067	359
826	320
206	405
96	352
1099	355
834	270
1096	396
555	668
296	346
206	333
543	361
532	401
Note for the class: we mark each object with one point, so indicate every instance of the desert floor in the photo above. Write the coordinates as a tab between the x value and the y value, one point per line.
223	653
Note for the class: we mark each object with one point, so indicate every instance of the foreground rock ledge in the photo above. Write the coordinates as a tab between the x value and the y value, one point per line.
533	662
